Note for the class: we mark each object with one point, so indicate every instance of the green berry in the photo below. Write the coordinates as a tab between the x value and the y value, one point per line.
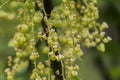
46	50
38	17
101	47
19	54
22	28
34	56
40	66
29	4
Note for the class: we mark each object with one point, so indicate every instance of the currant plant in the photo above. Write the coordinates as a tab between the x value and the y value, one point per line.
50	37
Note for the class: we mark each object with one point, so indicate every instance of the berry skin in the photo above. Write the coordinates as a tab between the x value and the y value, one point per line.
40	66
101	47
22	28
38	17
29	4
46	50
34	56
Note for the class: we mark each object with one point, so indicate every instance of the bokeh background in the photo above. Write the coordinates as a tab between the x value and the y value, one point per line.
94	65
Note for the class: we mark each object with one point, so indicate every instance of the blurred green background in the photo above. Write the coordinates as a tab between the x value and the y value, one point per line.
94	65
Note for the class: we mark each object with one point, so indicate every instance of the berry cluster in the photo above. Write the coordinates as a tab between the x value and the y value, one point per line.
46	39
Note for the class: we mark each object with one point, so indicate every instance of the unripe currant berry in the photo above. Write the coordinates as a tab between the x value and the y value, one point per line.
47	62
33	76
87	42
44	37
105	40
69	75
55	38
82	9
9	61
79	54
42	72
70	42
74	73
38	17
92	44
77	48
109	38
71	17
10	58
66	61
45	19
32	42
64	23
102	34
76	67
55	48
45	50
103	26
69	55
29	4
59	57
40	66
97	40
20	38
22	28
63	40
72	4
101	47
50	41
34	56
95	33
13	4
52	56
52	31
72	60
9	77
66	12
7	70
39	34
57	23
12	43
39	3
47	70
19	54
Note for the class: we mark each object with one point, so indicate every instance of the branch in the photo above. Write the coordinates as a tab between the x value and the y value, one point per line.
55	65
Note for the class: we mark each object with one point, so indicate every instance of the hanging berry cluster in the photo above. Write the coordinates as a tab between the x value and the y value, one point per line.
51	37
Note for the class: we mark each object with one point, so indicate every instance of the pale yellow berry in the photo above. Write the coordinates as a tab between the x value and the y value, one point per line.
38	17
34	56
52	55
45	50
9	77
103	26
40	66
19	54
22	28
101	47
74	73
